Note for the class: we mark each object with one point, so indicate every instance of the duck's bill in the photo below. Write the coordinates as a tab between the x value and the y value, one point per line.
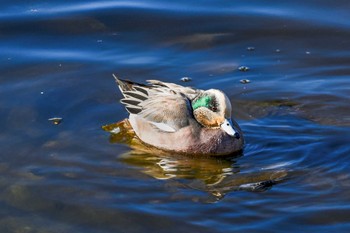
227	126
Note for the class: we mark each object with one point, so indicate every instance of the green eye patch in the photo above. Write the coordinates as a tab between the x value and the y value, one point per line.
201	102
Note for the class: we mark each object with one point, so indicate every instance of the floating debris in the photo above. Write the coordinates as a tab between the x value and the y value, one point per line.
41	93
99	41
278	50
244	81
55	120
250	48
243	68
186	79
308	52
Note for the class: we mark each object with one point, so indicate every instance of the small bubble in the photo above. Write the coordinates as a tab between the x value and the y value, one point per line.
99	41
55	120
308	52
278	50
244	81
41	93
186	79
250	48
243	68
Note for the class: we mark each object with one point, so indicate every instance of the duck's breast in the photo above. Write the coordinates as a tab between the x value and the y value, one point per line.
192	139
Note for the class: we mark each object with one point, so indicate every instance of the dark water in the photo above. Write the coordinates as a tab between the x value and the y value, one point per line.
57	60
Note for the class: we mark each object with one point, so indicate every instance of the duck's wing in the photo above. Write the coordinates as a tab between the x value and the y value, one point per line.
189	92
161	104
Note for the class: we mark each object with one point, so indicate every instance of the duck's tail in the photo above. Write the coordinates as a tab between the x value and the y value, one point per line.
124	85
134	94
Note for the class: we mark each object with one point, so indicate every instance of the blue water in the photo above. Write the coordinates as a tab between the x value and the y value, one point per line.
57	60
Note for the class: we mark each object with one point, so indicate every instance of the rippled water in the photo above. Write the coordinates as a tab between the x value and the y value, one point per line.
57	60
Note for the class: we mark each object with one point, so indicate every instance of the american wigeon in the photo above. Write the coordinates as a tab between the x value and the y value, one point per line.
181	119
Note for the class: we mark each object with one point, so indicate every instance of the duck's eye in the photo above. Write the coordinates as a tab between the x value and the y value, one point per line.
214	109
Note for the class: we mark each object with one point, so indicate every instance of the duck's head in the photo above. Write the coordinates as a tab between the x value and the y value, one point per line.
212	109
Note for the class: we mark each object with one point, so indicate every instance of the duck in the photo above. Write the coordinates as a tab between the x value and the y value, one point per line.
179	119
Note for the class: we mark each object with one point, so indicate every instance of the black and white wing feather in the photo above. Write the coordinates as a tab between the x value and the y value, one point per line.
165	105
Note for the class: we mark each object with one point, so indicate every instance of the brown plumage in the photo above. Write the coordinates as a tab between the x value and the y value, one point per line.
181	119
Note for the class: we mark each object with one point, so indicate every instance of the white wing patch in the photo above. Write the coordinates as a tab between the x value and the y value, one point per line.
163	127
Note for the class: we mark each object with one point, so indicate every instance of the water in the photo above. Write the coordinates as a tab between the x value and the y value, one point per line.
57	60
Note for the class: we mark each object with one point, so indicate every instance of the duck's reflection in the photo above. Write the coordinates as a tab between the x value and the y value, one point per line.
217	176
208	170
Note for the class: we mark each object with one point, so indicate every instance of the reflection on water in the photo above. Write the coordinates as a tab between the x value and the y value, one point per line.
217	176
57	60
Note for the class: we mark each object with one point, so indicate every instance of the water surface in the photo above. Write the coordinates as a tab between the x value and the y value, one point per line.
57	60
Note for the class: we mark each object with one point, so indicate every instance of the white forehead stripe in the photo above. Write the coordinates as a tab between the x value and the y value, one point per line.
224	102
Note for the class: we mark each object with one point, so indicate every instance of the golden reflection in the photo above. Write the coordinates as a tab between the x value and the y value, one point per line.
217	176
208	170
